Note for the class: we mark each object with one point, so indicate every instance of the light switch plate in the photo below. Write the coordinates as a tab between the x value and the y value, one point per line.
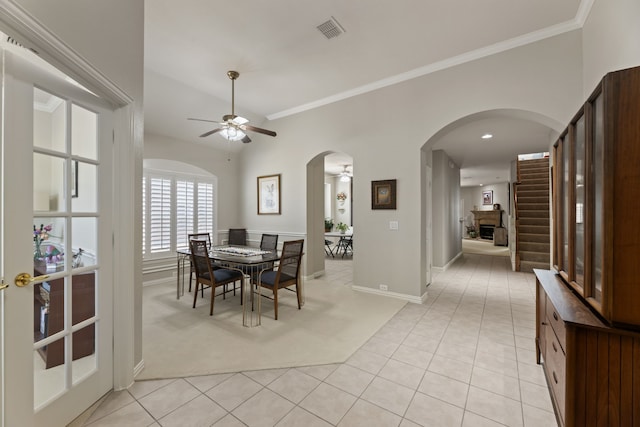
393	225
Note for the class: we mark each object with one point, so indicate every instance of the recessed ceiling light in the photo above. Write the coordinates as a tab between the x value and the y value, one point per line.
487	136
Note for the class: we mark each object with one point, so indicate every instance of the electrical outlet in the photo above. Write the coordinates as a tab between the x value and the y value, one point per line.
384	288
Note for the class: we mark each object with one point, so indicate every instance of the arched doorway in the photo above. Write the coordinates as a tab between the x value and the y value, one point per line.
322	202
457	155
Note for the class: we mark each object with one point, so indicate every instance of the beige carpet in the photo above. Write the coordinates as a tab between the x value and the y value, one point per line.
180	341
483	247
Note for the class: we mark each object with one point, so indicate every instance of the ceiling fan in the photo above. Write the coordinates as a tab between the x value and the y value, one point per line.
345	175
233	127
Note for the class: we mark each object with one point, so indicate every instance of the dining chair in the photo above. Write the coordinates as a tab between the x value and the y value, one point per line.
197	236
238	236
345	244
269	242
328	249
287	274
207	276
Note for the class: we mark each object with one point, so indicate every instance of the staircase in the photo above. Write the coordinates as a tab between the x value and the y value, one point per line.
532	215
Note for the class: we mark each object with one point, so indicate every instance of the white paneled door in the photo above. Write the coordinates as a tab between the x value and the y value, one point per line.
56	245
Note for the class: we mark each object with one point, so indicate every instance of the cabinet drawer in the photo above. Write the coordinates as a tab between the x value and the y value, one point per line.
555	365
553	318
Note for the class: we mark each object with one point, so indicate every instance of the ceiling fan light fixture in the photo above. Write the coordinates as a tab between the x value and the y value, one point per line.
344	177
232	134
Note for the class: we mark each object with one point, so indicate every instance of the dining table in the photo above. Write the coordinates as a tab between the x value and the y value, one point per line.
340	235
250	261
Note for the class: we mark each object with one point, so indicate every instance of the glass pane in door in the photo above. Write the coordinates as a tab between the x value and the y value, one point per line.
48	183
84	132
84	187
49	121
84	241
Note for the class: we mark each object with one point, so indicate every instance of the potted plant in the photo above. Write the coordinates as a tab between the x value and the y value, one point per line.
471	231
328	224
342	227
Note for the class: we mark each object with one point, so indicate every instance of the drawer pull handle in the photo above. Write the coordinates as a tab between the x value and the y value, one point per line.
543	323
553	344
555	316
554	377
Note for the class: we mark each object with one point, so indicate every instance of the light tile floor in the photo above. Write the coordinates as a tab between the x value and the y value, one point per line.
465	359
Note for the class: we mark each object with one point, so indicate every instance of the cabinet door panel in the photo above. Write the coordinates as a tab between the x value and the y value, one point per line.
598	189
580	203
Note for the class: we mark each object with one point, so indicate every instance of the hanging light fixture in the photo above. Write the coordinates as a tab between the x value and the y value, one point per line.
344	175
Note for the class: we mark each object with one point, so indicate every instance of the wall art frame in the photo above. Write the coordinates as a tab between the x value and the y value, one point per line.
383	194
269	195
487	197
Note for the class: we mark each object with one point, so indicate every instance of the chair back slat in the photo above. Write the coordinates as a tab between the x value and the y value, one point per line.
291	257
201	236
269	242
238	236
200	259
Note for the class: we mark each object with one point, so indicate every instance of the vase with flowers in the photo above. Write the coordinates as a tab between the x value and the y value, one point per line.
341	197
40	235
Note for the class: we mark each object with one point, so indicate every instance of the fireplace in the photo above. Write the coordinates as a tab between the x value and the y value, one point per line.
486	221
486	231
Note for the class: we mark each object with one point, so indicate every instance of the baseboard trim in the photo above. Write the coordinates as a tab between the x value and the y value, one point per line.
404	297
163	281
447	265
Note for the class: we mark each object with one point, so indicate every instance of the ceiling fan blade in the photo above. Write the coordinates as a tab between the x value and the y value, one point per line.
202	120
211	132
246	139
259	130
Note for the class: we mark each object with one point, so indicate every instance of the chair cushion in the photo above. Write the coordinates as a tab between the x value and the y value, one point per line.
269	278
224	275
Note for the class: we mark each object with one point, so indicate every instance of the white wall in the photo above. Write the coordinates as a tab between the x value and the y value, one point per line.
611	40
447	233
540	78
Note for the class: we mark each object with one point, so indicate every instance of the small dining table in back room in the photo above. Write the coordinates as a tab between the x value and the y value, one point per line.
247	259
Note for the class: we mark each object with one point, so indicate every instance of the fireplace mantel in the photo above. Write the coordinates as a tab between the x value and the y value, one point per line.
487	218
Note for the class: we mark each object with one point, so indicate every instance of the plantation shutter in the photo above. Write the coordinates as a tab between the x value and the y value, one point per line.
160	215
184	212
205	208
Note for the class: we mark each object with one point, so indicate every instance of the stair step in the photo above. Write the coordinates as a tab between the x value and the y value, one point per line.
534	181
528	266
534	246
529	175
544	221
533	238
523	200
532	162
534	256
533	229
533	187
533	206
540	213
533	193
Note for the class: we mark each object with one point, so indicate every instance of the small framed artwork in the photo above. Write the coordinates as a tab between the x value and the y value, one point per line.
74	178
269	195
383	194
487	197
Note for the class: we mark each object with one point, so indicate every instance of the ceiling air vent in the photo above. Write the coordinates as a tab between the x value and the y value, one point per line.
331	28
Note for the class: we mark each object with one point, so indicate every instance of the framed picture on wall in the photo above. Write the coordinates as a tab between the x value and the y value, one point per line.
269	195
487	197
383	194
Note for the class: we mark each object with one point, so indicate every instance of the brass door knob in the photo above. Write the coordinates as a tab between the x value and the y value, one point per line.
23	279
